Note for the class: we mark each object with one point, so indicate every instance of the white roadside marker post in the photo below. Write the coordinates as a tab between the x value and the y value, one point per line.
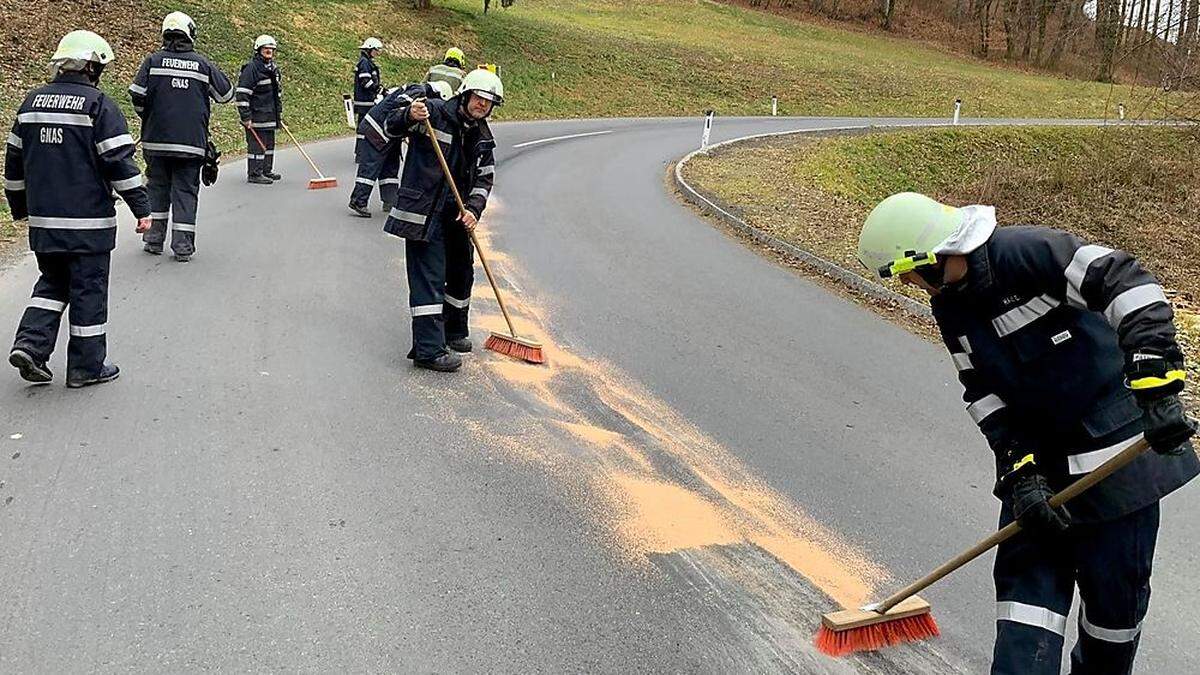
1121	111
708	120
774	106
349	108
957	110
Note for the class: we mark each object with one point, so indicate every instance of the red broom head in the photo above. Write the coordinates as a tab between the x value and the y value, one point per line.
876	636
502	344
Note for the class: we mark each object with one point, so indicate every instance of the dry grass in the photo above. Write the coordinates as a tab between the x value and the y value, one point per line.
1132	188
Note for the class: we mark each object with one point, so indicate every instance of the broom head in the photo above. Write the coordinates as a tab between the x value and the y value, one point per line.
861	630
518	348
322	183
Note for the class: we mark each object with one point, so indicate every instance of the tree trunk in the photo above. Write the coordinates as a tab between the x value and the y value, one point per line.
1157	14
1011	19
1066	29
1108	35
1181	31
1045	9
981	9
1193	24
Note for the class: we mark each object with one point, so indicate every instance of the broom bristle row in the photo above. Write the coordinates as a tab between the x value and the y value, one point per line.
509	347
876	636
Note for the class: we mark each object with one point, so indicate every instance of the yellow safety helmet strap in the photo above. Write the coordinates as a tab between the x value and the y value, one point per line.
909	262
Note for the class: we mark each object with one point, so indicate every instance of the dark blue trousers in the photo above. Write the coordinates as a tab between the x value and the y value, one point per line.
376	167
441	272
1036	577
78	281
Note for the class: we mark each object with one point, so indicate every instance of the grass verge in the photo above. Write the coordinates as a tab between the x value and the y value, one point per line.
572	58
1133	188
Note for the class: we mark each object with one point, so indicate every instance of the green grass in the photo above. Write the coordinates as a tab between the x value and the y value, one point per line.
597	58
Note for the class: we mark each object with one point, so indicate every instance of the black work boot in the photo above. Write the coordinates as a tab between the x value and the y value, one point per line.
461	345
272	175
31	369
108	373
359	210
259	179
183	257
153	249
446	363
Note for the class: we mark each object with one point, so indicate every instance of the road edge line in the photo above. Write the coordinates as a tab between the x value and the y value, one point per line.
720	211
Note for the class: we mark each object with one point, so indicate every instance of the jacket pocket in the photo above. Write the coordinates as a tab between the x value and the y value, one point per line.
409	195
1114	412
1052	332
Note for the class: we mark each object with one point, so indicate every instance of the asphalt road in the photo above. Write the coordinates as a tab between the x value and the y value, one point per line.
718	450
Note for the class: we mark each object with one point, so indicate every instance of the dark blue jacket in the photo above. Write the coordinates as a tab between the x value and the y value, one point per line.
1039	332
172	93
68	150
259	93
373	124
366	83
423	194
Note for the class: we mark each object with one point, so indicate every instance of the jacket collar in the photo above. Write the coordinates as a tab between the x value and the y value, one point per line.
179	44
454	108
73	78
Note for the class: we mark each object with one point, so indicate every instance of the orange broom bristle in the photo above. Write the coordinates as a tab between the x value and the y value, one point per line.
509	347
321	183
876	636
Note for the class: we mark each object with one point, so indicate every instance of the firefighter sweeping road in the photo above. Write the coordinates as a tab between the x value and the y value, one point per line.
711	460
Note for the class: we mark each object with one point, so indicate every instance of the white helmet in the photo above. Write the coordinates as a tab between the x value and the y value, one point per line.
442	88
179	22
264	41
371	43
82	46
484	83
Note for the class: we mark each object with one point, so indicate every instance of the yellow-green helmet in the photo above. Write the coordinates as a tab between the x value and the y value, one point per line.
455	54
82	46
904	232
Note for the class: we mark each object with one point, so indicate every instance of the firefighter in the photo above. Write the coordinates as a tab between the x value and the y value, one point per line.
367	84
68	150
1067	355
259	103
379	154
439	255
450	70
172	94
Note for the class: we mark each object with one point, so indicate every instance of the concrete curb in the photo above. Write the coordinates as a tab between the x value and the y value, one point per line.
722	212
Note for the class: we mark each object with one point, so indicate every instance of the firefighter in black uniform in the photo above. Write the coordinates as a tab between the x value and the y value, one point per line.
367	85
1067	355
171	94
260	106
439	255
379	155
68	150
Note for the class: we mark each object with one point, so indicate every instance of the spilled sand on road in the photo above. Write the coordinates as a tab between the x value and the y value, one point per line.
660	483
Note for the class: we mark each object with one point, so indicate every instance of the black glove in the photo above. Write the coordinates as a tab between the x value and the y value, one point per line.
1027	489
1156	378
1167	427
1031	505
212	165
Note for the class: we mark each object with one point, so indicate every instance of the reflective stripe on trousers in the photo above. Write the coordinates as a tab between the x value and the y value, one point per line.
1109	562
173	185
78	283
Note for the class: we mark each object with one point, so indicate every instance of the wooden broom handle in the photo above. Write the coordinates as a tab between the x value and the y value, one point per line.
1070	492
301	149
462	209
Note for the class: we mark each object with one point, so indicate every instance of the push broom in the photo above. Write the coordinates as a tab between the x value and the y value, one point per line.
509	345
322	181
905	617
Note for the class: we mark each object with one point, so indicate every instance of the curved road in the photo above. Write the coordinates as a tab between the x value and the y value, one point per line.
712	457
